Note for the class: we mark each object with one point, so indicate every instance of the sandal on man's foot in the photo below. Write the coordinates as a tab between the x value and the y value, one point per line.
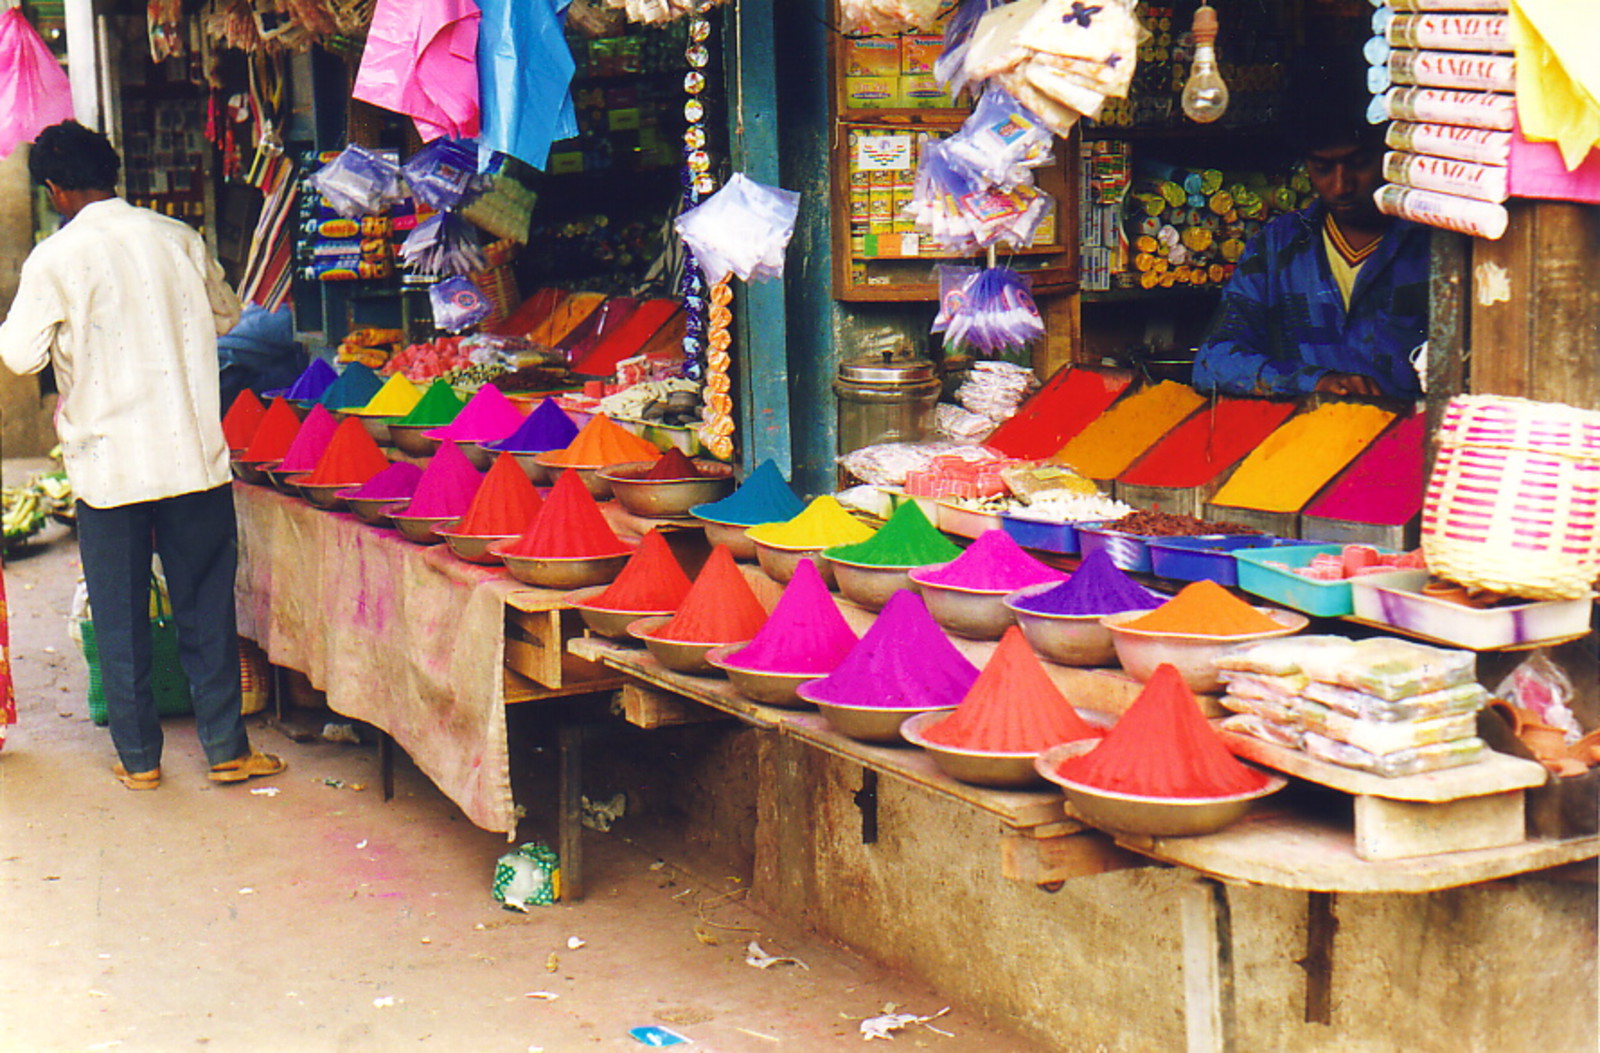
251	765
137	780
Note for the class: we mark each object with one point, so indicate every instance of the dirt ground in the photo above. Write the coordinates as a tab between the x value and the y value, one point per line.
303	912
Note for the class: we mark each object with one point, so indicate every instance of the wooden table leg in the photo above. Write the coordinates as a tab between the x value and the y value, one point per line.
1207	967
570	820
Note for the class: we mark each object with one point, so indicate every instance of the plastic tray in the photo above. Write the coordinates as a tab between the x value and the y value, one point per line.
1396	600
1323	599
1131	552
965	522
1042	535
1205	557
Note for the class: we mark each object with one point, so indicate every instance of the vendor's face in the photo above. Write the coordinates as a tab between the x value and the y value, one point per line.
1345	178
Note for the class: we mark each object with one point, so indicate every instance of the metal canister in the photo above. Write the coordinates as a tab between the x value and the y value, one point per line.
885	397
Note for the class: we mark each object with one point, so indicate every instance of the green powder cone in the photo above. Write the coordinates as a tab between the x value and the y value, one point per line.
437	407
906	540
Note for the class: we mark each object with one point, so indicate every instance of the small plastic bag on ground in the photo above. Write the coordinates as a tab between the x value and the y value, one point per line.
527	878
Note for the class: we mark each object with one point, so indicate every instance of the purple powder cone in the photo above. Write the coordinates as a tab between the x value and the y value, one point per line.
992	563
1098	586
315	379
905	661
806	633
397	482
547	428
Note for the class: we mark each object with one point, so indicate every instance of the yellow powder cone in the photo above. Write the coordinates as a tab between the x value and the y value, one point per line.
1108	446
396	398
823	524
1298	459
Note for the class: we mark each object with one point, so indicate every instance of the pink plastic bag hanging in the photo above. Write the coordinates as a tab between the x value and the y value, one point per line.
421	59
34	92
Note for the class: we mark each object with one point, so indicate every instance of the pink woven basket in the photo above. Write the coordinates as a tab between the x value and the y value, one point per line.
1514	501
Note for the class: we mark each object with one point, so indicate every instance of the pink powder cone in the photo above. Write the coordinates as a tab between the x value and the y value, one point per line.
806	633
447	486
992	563
310	442
487	417
905	661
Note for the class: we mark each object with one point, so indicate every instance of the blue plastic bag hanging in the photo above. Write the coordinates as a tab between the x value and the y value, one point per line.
458	304
525	78
358	182
996	314
442	173
953	282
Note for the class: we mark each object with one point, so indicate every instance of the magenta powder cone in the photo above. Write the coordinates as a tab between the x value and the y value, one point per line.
310	442
992	563
487	416
398	482
905	661
806	633
447	486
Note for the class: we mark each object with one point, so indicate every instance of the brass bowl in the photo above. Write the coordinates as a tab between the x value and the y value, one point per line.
605	620
374	510
420	530
284	482
781	563
1066	639
759	685
680	656
869	585
474	548
974	613
560	572
667	498
325	495
1150	816
377	427
863	723
252	472
1193	656
1009	771
537	473
409	438
598	488
732	537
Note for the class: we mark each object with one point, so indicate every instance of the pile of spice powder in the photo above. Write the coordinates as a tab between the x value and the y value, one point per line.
806	633
487	416
907	539
353	388
1106	448
398	482
600	443
1061	409
719	609
569	526
547	428
312	382
396	398
1163	747
1013	707
992	563
350	459
446	488
652	580
437	407
905	661
279	425
1384	485
505	503
1097	587
1204	608
673	466
1296	460
764	497
1208	443
823	524
310	442
239	424
565	318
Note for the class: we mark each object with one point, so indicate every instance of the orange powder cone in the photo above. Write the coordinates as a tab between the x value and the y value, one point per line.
1205	608
720	608
505	504
1013	707
274	435
569	526
653	580
350	459
1163	747
239	424
602	442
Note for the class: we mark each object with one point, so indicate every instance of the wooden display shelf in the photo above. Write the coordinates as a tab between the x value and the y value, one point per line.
639	664
538	625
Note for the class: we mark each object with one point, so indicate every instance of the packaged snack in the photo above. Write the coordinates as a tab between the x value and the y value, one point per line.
1463	698
1381	738
1287	656
1258	727
1436	757
1394	669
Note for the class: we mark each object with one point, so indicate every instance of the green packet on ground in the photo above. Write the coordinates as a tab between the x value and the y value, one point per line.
529	877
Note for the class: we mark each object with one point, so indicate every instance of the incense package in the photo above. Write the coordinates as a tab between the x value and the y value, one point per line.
1463	215
1473	109
1467	70
1481	145
1445	31
1481	182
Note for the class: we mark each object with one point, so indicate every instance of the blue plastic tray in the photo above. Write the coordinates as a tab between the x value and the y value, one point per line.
1131	552
1046	537
1207	556
1323	599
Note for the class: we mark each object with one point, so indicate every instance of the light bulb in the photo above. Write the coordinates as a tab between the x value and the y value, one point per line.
1205	94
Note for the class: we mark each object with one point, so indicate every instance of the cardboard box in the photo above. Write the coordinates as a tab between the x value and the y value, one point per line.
919	51
922	92
872	93
872	57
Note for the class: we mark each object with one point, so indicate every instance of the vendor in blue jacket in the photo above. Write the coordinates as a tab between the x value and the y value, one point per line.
1332	298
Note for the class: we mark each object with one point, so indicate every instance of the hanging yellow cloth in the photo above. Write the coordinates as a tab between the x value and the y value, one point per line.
1558	73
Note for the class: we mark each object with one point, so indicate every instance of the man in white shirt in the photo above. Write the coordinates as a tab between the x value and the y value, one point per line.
127	304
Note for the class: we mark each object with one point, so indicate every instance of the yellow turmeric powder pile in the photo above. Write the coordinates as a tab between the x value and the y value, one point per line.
1298	459
1106	448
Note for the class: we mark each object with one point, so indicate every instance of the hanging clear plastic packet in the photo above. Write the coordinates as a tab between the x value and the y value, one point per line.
442	244
458	304
742	229
1001	140
443	172
358	182
953	282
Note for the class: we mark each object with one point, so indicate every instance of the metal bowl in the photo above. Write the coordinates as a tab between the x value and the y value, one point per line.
252	472
560	572
759	685
324	495
667	498
408	438
598	488
537	473
377	427
973	613
731	536
374	510
781	563
864	723
1151	816
1193	656
605	620
476	455
1067	639
979	767
284	482
302	407
474	548
869	585
680	656
420	530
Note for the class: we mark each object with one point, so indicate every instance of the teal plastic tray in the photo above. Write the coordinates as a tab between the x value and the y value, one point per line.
1322	599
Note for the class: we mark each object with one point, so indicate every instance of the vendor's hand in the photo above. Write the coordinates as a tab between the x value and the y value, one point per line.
1348	384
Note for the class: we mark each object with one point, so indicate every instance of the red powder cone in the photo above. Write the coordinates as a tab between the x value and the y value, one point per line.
673	465
352	457
719	609
239	424
505	504
652	580
1163	747
569	526
310	442
274	435
1013	707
